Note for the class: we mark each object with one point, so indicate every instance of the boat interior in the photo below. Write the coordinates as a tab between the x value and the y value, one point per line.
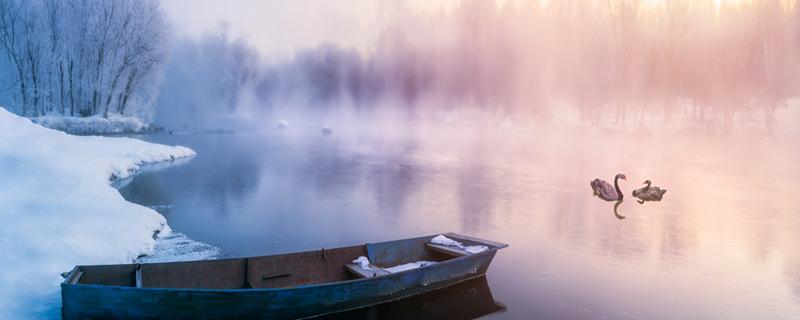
275	271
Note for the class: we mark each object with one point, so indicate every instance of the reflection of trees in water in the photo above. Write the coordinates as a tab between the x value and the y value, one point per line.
330	171
676	238
390	176
147	190
476	191
232	178
224	172
392	184
581	220
791	264
569	220
791	269
623	238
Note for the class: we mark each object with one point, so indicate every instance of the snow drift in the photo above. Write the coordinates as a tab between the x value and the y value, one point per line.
58	209
93	125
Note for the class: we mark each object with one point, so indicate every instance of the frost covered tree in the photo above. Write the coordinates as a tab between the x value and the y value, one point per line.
81	57
206	78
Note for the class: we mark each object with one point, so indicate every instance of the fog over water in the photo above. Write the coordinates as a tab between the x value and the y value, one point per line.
618	60
490	119
722	244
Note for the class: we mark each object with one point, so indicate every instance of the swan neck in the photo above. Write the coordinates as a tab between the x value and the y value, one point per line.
616	186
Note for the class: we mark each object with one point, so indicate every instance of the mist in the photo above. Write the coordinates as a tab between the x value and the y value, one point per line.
620	61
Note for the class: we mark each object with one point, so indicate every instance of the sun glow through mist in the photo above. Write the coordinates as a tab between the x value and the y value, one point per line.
606	58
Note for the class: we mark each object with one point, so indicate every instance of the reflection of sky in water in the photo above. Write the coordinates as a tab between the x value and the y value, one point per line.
724	242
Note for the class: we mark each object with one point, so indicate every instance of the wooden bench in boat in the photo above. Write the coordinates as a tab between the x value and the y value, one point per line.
451	251
361	273
376	271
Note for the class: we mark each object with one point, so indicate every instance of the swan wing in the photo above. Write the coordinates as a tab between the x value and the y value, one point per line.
604	189
652	194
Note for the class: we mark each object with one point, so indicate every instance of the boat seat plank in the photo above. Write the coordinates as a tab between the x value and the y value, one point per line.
75	277
361	273
451	251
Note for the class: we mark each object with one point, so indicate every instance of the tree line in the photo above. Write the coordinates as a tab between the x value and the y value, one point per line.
607	58
613	57
80	57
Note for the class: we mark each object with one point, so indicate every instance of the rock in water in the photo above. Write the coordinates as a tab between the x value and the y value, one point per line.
283	124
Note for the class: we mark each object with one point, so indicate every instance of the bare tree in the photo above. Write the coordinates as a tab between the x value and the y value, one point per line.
87	57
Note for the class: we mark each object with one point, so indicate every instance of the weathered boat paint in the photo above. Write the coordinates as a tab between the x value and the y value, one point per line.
469	299
93	301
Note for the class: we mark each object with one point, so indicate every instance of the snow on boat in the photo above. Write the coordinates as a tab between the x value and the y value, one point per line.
283	286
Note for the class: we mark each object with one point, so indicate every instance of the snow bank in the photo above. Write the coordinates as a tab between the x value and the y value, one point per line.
58	209
93	125
176	246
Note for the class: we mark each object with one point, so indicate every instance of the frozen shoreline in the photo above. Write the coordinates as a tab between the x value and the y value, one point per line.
59	209
94	125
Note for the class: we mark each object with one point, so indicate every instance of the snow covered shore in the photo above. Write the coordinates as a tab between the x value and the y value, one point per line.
58	209
93	125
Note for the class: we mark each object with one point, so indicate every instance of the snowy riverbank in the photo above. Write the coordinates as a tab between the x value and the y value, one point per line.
58	209
93	125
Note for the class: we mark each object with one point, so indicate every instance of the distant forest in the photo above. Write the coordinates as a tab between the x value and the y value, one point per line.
88	57
606	58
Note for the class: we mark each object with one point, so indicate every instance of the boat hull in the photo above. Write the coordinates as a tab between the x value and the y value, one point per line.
80	301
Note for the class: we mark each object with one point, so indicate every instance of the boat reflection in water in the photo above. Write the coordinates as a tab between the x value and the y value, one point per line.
467	300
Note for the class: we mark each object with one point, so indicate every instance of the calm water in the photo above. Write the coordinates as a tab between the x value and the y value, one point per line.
723	244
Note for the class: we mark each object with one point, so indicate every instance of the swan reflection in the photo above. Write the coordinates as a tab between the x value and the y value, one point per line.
616	214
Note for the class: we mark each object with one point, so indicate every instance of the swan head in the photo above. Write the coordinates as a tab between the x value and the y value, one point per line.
621	176
647	182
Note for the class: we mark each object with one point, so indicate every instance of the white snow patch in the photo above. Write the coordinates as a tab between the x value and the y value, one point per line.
176	246
58	209
475	249
409	266
362	262
93	124
445	241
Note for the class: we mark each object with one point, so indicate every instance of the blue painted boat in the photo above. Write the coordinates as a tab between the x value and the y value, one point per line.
470	299
283	286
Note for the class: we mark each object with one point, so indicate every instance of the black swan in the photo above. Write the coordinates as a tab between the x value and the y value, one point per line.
649	193
605	191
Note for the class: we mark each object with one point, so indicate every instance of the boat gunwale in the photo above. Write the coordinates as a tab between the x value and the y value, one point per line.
495	246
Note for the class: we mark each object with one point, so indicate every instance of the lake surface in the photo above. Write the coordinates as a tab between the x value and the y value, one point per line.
723	244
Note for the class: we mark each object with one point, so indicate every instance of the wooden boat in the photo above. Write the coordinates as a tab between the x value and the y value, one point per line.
284	286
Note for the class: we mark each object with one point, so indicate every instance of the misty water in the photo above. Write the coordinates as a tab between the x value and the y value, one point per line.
723	244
